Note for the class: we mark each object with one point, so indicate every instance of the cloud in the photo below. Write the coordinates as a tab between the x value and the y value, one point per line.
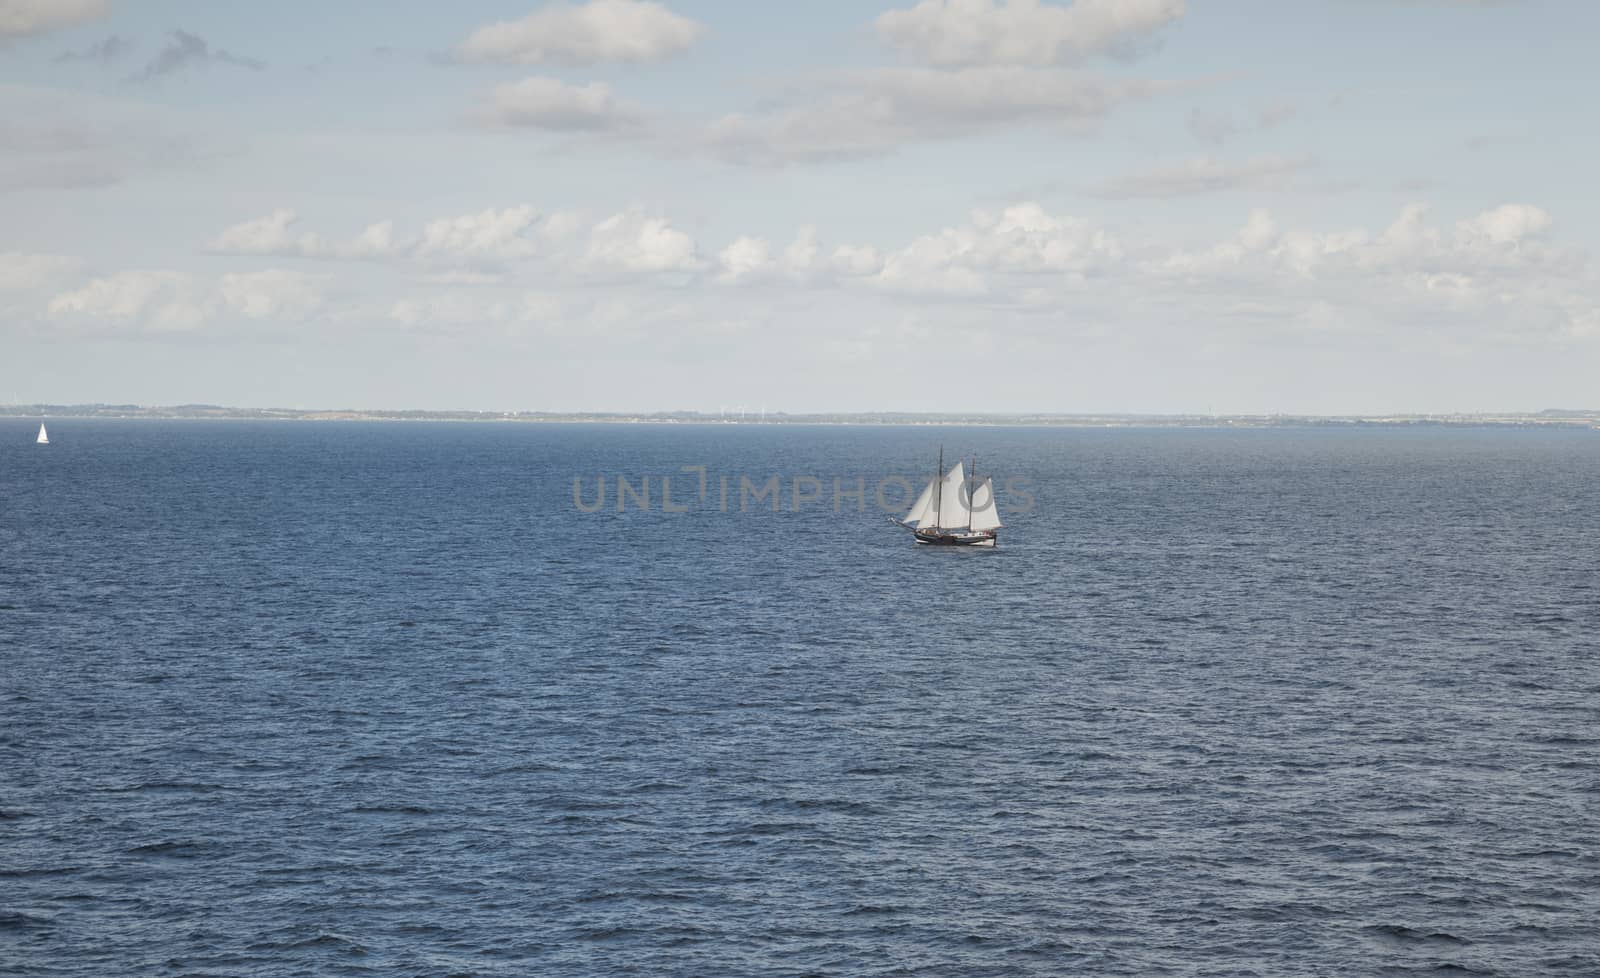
185	50
745	258
21	272
1022	239
172	301
104	51
1491	278
545	103
1507	224
626	242
584	34
485	236
269	235
1204	175
959	33
27	280
162	300
962	260
634	242
749	261
19	18
271	294
489	235
877	111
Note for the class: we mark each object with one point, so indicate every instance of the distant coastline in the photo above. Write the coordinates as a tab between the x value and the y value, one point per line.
1547	418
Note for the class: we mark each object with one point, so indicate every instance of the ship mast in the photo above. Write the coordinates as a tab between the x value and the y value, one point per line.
938	487
971	481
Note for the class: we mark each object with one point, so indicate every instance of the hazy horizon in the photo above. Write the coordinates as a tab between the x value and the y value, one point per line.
747	413
1339	207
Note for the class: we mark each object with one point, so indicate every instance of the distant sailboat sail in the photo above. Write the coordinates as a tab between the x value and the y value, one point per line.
43	439
952	499
985	516
922	513
954	511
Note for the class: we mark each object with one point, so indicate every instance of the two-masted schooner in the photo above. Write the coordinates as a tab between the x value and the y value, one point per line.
954	511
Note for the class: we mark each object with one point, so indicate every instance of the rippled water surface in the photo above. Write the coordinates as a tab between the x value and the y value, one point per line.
284	699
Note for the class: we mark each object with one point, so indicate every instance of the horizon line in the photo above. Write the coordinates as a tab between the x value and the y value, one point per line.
100	409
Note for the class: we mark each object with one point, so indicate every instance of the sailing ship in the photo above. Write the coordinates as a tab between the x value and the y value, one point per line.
954	510
43	439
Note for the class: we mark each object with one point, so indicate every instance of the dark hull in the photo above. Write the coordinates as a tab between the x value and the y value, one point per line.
956	539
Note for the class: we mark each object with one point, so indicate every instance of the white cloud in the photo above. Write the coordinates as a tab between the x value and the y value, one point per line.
22	17
1490	276
376	241
172	301
750	259
160	300
488	235
744	258
1020	240
877	111
952	33
584	34
546	103
483	241
801	255
1205	174
633	242
271	294
268	235
958	261
857	261
1508	223
27	280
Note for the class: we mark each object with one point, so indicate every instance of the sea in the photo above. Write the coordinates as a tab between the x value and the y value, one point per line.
368	698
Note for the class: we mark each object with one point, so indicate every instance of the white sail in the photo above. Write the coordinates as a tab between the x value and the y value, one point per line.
43	438
985	514
922	510
952	500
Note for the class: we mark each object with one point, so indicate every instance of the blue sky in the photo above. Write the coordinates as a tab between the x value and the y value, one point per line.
1133	205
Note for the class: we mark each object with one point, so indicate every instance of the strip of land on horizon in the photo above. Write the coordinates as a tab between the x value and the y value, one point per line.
1546	418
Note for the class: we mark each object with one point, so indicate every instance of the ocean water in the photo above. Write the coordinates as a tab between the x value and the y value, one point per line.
379	699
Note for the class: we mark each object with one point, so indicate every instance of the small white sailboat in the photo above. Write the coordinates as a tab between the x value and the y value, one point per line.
44	437
954	511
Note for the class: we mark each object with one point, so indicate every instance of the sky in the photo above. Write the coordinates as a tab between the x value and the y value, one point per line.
1149	206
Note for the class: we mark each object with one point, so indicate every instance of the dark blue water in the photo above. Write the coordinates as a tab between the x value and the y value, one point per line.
288	699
